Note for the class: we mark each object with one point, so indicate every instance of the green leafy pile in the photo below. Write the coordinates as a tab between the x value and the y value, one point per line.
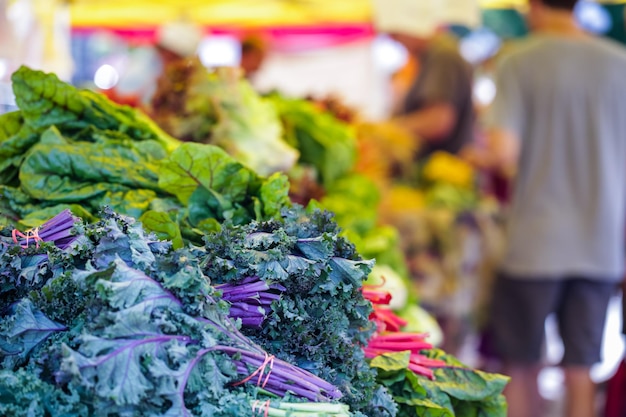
324	142
222	108
119	324
321	321
328	148
455	391
70	148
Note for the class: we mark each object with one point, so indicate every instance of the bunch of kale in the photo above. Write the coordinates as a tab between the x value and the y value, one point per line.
321	321
119	324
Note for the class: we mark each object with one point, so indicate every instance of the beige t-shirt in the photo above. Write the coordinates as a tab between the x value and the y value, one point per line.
566	101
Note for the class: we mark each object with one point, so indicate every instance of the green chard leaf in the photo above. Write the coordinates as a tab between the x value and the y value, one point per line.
195	165
161	224
391	362
215	187
15	139
274	195
56	170
10	124
47	101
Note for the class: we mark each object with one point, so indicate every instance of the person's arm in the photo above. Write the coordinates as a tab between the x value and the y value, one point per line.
503	124
433	123
504	148
498	152
445	85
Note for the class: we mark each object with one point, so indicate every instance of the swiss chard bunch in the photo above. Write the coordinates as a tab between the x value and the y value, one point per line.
425	381
321	320
454	391
67	148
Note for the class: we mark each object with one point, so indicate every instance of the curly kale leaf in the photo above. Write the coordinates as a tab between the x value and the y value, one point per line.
142	352
321	321
21	330
24	394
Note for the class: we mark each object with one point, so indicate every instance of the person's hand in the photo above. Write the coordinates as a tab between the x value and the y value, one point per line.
477	156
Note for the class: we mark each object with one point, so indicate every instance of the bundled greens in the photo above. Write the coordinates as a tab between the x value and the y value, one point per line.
321	320
120	324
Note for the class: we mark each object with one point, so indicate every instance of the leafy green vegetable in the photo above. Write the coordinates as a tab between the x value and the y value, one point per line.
455	391
324	142
10	124
247	126
24	394
163	226
46	101
15	139
321	320
120	322
70	148
215	186
56	170
221	108
24	330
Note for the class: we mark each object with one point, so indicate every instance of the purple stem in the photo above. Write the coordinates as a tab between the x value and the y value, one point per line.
289	372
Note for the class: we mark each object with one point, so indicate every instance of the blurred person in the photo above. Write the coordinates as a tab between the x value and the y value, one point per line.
253	53
615	405
438	108
176	45
558	117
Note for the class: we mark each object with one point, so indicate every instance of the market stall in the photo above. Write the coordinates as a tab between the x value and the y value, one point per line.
225	298
239	248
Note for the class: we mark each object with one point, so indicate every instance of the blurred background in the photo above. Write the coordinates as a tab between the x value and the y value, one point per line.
304	48
310	47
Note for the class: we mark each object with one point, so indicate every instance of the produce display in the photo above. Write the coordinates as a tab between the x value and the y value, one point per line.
449	227
103	316
143	275
117	323
70	148
221	108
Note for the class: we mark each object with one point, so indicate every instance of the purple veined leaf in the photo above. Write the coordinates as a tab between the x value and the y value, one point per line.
132	288
113	366
25	328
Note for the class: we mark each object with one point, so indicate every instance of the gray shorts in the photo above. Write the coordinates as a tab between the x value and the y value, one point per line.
519	309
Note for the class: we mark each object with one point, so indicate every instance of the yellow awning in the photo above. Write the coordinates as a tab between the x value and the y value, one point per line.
246	13
239	13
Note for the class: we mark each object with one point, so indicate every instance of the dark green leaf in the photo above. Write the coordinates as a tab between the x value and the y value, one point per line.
163	226
24	329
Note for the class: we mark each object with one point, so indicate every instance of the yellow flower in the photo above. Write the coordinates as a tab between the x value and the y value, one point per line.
445	167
